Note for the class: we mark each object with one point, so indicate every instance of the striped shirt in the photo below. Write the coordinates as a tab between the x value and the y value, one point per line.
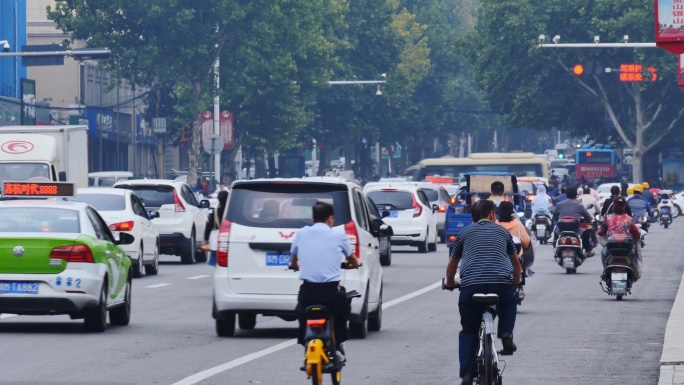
484	248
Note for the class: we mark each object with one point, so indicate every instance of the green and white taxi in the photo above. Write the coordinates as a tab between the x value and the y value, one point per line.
59	257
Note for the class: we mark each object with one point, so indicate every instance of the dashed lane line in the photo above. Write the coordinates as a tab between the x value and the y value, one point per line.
7	315
203	375
199	276
157	285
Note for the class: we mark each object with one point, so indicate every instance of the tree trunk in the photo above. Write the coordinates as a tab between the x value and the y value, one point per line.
324	162
195	154
271	166
461	145
231	154
637	166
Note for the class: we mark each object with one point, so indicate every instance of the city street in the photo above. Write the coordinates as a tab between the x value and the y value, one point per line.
568	331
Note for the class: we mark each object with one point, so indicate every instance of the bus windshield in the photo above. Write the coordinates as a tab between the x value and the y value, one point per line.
459	171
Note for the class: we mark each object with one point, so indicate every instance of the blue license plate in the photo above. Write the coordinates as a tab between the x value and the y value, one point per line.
18	287
275	259
394	214
619	287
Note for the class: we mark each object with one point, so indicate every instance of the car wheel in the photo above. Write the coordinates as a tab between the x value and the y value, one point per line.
360	329
433	246
375	317
95	319
188	256
138	266
153	269
423	247
386	259
676	210
226	327
247	321
121	315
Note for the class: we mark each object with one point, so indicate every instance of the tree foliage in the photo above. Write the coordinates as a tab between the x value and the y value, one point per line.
534	87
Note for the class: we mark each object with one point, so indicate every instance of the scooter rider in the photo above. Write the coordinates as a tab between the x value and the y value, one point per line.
639	206
541	205
316	252
608	203
571	208
621	223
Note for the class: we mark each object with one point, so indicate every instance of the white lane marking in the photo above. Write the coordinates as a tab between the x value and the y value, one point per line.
157	285
7	315
203	375
199	276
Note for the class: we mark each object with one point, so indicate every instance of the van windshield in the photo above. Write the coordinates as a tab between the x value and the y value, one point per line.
284	205
24	171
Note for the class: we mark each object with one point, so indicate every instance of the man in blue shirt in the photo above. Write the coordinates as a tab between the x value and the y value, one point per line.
317	253
639	206
489	264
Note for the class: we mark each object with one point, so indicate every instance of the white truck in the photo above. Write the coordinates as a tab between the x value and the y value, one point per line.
44	153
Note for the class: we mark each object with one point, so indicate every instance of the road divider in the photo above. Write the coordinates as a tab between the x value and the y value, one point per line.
203	375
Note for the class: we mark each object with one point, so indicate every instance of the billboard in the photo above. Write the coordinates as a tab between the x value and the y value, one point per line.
225	126
28	102
669	25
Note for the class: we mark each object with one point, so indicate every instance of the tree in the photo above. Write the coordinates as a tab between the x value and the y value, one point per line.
265	47
535	88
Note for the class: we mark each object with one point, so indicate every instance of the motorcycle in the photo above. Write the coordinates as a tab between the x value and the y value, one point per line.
541	228
643	224
619	273
569	252
665	214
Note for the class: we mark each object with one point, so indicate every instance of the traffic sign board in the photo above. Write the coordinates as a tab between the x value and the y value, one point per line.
213	144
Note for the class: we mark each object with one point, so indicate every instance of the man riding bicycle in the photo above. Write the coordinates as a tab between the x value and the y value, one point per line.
316	252
490	264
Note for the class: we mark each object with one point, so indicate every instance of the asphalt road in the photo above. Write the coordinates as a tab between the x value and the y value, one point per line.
568	331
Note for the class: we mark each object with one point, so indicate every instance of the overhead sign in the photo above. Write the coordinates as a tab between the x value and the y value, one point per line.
669	25
28	102
52	60
37	189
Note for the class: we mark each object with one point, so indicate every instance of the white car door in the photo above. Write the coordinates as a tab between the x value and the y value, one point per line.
148	232
370	253
198	215
430	215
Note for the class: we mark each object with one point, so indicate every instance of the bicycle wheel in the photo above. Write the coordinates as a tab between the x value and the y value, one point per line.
316	375
487	377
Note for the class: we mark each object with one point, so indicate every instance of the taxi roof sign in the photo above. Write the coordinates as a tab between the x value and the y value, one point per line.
30	189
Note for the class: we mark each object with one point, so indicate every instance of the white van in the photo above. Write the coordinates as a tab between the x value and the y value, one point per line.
107	178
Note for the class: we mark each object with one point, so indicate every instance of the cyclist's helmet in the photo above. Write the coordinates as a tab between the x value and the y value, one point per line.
638	189
630	191
645	185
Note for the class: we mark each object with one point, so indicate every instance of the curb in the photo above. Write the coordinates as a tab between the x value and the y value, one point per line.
672	358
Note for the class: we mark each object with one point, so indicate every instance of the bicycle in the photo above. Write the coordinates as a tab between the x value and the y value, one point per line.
487	357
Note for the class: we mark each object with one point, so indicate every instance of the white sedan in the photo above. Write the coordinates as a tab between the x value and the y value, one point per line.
123	211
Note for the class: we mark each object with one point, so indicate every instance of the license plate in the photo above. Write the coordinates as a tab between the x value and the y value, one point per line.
568	254
541	232
394	214
18	287
540	227
619	287
618	277
569	263
275	259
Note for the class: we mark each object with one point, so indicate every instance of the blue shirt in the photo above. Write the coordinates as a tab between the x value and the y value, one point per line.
639	206
484	249
320	250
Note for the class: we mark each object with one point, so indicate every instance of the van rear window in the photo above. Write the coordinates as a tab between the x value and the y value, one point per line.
283	205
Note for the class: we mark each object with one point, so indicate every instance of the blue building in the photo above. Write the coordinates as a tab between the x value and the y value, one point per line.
12	29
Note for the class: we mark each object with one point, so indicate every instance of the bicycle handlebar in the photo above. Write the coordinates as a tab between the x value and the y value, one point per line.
445	287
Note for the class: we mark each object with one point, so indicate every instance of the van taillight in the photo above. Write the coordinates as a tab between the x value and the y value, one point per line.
223	243
177	202
417	208
75	253
122	226
350	229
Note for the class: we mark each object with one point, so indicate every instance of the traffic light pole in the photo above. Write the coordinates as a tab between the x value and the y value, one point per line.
73	53
598	45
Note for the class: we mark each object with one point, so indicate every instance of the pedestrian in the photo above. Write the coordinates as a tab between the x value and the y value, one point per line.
210	242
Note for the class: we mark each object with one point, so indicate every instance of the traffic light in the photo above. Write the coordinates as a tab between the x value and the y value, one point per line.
561	154
588	69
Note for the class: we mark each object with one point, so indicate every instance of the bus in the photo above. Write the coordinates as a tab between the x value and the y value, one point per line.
596	161
520	164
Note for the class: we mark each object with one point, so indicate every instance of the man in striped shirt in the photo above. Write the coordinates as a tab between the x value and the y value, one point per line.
489	264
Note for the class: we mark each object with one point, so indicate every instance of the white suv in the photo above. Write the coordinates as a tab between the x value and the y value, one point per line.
181	220
407	209
256	233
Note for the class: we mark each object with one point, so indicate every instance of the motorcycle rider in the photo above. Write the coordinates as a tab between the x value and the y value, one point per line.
647	194
571	208
497	188
587	200
621	223
608	203
541	205
639	206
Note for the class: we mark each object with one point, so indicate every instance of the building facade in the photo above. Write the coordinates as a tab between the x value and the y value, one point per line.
12	29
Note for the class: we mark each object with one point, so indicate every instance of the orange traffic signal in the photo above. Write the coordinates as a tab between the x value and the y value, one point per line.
578	69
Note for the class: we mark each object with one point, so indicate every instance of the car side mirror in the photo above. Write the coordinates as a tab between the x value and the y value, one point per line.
385	230
435	208
204	204
124	239
153	214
